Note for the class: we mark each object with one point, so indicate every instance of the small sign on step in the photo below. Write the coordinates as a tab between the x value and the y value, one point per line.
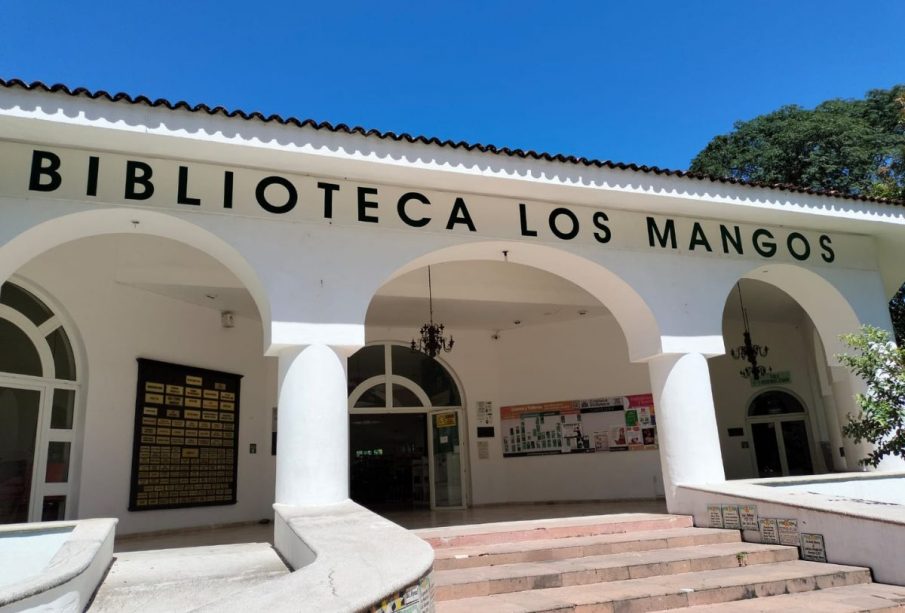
769	532
813	548
788	532
731	520
748	513
715	512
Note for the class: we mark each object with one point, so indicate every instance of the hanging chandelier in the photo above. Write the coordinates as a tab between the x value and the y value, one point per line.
749	351
432	340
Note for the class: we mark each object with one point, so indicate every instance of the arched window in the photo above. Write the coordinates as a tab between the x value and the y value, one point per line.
38	408
774	402
395	376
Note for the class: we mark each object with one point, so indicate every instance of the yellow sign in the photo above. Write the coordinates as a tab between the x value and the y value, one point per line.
445	420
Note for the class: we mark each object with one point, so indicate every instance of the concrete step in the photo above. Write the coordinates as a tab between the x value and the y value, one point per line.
846	599
669	591
578	546
488	580
500	532
167	580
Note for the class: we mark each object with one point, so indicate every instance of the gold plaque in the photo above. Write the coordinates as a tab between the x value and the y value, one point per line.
210	404
153	387
193	392
195	403
191	380
190	414
213	394
154	398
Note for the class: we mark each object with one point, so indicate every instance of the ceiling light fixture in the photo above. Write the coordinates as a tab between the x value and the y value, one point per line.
432	340
749	351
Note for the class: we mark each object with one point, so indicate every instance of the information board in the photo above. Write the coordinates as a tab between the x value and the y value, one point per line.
184	450
619	423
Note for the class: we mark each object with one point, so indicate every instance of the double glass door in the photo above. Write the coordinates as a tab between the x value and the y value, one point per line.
781	447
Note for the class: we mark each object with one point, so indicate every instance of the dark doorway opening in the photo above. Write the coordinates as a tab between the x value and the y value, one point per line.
389	461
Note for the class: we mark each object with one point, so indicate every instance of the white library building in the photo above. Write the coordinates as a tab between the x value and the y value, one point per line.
206	312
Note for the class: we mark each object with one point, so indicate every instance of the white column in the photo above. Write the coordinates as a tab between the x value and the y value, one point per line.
686	423
312	427
837	442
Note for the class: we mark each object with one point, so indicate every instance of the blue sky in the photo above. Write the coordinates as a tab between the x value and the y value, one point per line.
645	82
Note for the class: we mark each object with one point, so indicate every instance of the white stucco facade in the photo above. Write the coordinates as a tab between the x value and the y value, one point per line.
127	217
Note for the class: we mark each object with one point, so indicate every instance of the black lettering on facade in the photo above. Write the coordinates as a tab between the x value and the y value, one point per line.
403	214
654	235
828	254
93	168
805	251
523	221
566	235
734	239
765	248
44	164
460	214
604	235
292	196
138	174
228	178
698	238
328	188
182	189
364	204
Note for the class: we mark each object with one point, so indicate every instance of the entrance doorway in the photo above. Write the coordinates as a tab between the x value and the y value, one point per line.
780	436
38	410
406	431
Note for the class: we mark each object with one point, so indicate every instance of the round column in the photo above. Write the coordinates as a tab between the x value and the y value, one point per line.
686	423
312	427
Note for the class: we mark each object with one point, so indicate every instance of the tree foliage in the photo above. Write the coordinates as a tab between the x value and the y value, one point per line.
881	421
856	147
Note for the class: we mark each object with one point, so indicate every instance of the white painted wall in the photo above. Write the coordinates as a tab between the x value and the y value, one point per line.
117	324
560	361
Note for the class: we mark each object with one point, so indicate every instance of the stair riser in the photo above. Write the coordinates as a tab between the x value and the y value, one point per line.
558	532
603	575
597	549
713	596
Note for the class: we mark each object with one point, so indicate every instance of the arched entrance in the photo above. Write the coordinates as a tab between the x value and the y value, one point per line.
40	408
406	430
780	435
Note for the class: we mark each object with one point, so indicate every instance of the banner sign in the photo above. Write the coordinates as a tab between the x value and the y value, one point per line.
184	453
621	423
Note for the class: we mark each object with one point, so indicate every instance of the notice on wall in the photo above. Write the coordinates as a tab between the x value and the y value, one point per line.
748	514
788	532
731	519
769	532
813	547
620	423
715	513
483	450
485	419
184	451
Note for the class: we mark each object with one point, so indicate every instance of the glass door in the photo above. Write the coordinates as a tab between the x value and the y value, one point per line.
782	447
20	410
446	459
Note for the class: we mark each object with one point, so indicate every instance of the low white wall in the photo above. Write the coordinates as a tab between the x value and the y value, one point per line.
119	323
855	532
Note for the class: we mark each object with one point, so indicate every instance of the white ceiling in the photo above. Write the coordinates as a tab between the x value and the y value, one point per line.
479	295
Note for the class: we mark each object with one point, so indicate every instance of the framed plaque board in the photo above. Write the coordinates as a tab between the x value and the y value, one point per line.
185	447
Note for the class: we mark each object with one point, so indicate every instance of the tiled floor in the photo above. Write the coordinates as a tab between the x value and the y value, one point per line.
257	533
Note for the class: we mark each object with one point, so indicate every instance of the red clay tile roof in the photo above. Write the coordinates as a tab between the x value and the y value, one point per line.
409	138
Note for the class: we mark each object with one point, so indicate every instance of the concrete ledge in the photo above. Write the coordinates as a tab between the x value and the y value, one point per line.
856	531
74	572
345	558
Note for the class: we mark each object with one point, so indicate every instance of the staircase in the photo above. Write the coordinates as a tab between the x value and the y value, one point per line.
634	563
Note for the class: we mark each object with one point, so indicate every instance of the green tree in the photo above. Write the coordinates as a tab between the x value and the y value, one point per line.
881	421
856	147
